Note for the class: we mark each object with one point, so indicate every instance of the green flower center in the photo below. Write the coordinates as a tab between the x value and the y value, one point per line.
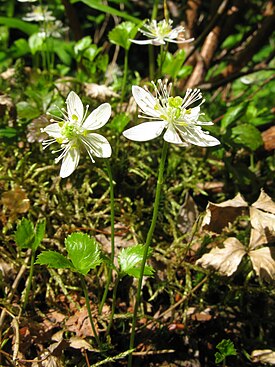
70	130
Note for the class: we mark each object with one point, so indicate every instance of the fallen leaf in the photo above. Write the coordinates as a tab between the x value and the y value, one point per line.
78	343
99	92
264	223
263	356
218	216
268	137
16	200
225	259
80	324
187	216
265	203
263	261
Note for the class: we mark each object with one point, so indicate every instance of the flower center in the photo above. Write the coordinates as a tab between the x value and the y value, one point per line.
70	130
163	29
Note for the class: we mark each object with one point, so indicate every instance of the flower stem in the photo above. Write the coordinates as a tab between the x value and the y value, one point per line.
84	288
28	288
113	304
147	245
112	200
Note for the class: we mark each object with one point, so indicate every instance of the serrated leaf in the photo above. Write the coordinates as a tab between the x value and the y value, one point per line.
122	33
247	136
226	259
25	235
54	259
130	259
39	233
219	357
83	251
232	115
226	348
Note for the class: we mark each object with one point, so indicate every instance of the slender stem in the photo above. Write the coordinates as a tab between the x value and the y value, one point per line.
85	290
147	245
28	288
112	201
151	47
113	304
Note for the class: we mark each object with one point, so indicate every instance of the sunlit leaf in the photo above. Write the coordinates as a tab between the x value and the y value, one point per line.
122	33
54	259
233	114
130	260
266	356
247	136
25	235
225	259
39	233
263	261
83	251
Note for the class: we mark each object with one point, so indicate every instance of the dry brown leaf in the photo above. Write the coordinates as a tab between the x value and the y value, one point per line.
265	203
16	200
99	92
226	259
78	343
264	224
218	216
263	261
187	216
80	324
263	356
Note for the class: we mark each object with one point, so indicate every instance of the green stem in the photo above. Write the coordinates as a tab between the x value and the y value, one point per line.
112	200
155	10
147	245
28	288
85	290
151	47
124	81
113	304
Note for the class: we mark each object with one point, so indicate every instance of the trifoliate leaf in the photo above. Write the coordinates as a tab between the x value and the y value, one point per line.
54	260
24	235
83	251
130	260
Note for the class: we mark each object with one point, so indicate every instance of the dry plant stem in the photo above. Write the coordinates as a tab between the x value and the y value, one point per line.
147	245
110	270
84	287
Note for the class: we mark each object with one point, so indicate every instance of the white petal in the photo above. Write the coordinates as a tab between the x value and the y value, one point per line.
69	162
195	135
98	117
74	107
142	42
145	101
97	145
145	131
171	136
53	130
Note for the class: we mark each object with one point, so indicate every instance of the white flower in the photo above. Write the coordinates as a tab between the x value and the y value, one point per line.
39	14
174	114
161	32
73	132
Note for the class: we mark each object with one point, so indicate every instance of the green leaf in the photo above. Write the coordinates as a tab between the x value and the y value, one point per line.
25	235
25	27
119	122
9	132
36	43
122	33
130	260
83	251
247	136
82	44
39	233
226	348
172	63
96	4
54	260
232	115
27	111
